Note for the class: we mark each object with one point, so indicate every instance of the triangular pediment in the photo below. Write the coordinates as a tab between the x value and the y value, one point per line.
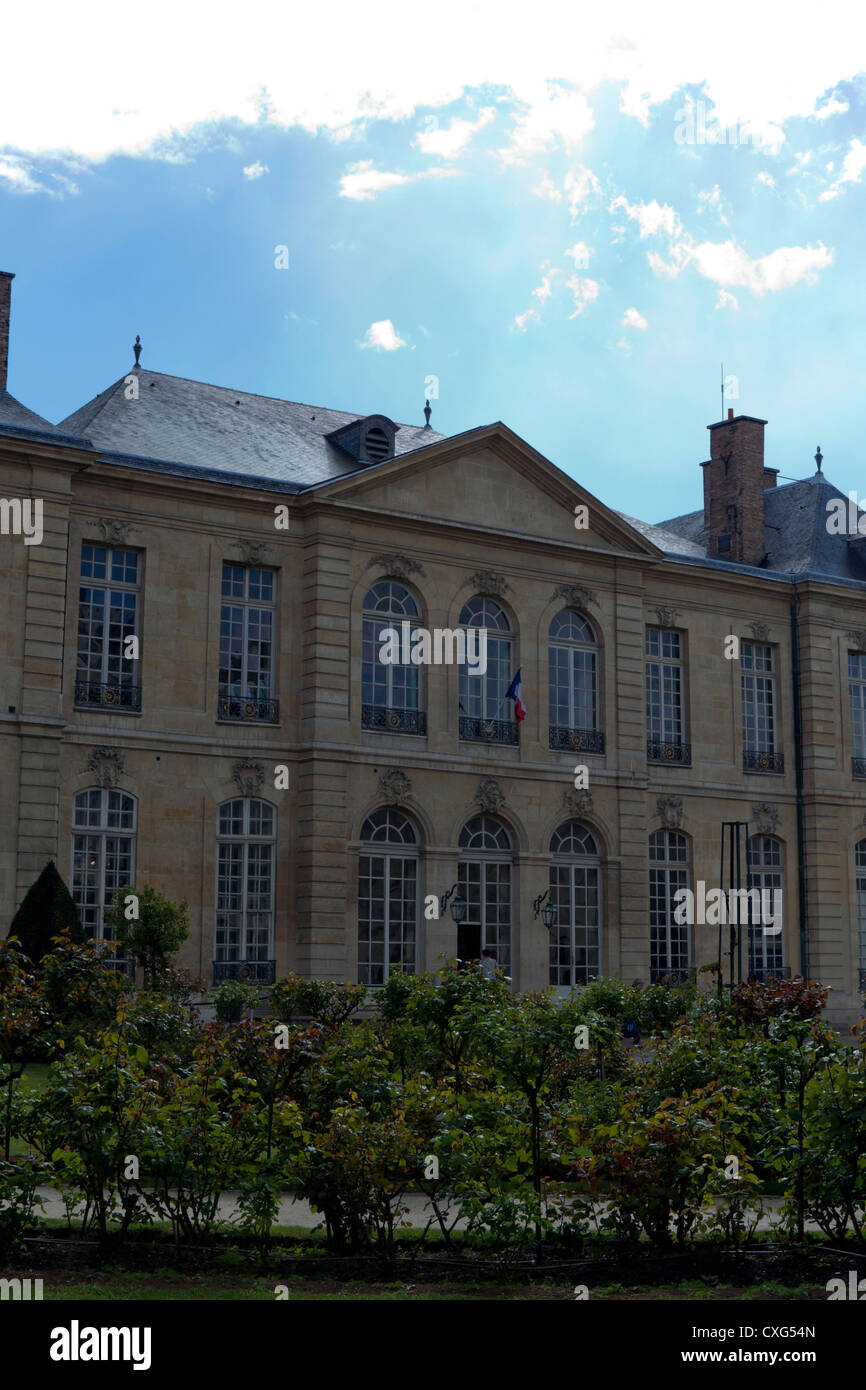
488	479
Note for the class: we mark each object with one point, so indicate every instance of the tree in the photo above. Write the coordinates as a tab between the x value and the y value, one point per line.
150	925
47	910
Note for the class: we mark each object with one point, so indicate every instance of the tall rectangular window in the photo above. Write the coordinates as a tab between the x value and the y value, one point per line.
765	937
664	697
860	862
758	686
857	697
245	889
107	668
103	855
669	872
246	668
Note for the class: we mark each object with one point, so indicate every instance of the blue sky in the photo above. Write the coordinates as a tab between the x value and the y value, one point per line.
541	221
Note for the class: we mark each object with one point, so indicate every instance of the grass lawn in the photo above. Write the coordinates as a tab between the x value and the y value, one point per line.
165	1285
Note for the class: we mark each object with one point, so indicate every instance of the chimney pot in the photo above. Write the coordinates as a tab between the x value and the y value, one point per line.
730	412
6	278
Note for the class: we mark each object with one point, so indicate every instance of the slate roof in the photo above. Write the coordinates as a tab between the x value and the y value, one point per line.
796	539
224	430
13	413
192	428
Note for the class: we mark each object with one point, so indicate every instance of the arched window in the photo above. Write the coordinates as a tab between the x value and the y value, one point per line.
387	896
246	835
575	893
669	872
390	689
573	686
485	714
103	855
860	864
766	952
484	874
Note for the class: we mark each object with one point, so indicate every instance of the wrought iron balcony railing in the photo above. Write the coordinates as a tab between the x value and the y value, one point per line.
488	731
576	740
672	975
250	972
757	761
248	709
108	696
669	752
393	721
858	767
759	975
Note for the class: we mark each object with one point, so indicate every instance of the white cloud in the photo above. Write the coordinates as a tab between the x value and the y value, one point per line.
580	254
19	177
766	179
652	218
580	185
547	189
362	182
286	68
521	320
544	290
852	167
726	300
584	292
712	199
552	113
727	264
449	143
624	345
632	319
255	171
833	108
383	337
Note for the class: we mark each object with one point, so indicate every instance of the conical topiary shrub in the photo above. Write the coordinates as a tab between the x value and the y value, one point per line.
47	908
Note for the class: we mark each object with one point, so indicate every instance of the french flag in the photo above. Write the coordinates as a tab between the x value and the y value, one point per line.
514	693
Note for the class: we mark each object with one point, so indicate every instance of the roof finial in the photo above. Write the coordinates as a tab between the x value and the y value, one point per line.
427	413
819	458
137	348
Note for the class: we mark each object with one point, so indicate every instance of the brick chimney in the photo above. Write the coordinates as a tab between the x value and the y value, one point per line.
734	483
6	278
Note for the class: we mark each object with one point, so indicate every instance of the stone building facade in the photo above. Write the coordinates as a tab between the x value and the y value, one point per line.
249	753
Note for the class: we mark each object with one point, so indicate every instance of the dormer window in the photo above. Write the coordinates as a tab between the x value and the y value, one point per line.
375	445
369	440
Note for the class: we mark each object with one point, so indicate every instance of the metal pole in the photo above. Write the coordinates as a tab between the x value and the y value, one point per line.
720	881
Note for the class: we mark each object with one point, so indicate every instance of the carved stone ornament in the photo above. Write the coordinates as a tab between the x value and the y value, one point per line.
490	796
670	809
397	566
395	786
766	817
249	775
253	552
107	766
760	631
490	583
578	803
114	531
667	615
575	595
857	638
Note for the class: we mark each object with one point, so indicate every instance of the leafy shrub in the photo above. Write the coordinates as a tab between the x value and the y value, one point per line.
323	1001
233	998
759	1002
